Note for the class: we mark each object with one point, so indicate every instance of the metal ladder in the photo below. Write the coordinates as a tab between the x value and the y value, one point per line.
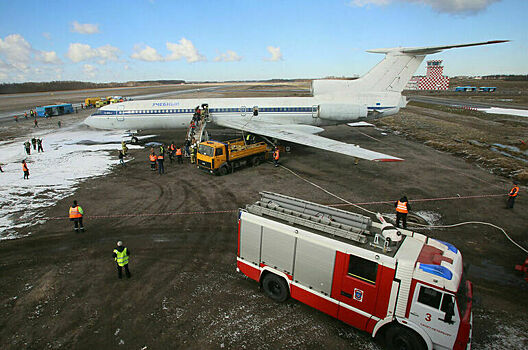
334	222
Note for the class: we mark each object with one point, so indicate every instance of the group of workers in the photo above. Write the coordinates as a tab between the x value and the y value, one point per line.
36	143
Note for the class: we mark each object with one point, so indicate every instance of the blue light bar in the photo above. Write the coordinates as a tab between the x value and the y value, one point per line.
438	270
449	246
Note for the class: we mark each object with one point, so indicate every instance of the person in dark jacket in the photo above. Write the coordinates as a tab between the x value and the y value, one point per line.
121	255
402	209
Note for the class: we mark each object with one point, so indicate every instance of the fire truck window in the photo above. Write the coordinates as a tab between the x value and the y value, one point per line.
365	270
430	297
218	152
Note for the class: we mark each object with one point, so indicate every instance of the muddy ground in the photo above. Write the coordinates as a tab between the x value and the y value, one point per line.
60	289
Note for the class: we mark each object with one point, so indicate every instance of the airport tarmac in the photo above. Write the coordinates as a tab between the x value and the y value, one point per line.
60	289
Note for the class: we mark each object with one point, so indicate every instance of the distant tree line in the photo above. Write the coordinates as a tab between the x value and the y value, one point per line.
13	88
510	77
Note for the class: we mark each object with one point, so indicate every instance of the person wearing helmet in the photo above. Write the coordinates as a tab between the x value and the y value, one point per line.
121	255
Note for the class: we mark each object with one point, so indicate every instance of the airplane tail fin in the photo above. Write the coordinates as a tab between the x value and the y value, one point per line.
393	73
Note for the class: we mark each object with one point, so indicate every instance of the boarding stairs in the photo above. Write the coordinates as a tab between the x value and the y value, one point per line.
199	133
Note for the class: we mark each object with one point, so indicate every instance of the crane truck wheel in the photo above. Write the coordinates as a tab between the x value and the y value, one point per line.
255	161
401	338
275	287
223	171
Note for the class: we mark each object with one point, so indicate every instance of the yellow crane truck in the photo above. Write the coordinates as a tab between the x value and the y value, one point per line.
221	158
91	101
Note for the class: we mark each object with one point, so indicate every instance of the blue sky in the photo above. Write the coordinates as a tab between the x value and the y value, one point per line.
249	39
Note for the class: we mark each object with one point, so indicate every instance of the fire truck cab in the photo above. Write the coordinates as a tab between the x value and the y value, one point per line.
369	275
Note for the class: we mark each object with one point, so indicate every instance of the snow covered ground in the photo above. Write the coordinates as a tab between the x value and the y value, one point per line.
70	155
509	111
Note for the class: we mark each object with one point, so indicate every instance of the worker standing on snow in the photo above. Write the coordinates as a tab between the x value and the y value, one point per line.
25	169
121	255
402	209
27	146
39	144
512	194
34	143
76	215
276	156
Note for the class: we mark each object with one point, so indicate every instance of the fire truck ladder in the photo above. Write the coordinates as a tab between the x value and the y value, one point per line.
318	217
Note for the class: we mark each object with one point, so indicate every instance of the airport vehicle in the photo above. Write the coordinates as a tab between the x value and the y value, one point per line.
221	158
375	277
91	101
291	119
51	110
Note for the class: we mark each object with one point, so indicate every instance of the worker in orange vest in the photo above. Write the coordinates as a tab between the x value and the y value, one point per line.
76	215
512	194
25	169
172	150
161	168
276	156
402	208
179	155
153	158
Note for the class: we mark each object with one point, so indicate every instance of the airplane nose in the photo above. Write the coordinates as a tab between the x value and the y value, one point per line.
90	121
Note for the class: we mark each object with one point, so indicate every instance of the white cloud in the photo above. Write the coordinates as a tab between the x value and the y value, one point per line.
185	49
275	52
16	51
47	35
146	53
48	57
447	6
81	52
228	56
90	70
84	28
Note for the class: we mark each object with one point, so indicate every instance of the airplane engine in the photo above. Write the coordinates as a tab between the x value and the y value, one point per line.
342	112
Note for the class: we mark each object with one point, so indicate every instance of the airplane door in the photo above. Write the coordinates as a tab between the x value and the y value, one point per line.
243	111
315	111
120	113
358	291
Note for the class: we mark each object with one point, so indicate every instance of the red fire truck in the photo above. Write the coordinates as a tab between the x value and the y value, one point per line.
369	275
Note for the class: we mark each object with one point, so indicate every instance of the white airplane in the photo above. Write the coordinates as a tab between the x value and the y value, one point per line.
291	119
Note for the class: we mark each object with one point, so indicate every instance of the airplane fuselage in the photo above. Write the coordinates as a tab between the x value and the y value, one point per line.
173	114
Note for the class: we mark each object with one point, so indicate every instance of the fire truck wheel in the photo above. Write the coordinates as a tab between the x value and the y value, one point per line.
275	287
401	338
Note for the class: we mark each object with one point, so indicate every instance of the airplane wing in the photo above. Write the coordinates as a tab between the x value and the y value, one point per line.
303	135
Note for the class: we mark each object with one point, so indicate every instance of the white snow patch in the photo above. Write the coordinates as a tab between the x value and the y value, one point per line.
70	156
356	124
431	217
509	111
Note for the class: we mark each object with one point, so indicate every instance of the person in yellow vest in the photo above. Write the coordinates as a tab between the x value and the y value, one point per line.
121	255
153	158
76	215
512	195
276	156
402	209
